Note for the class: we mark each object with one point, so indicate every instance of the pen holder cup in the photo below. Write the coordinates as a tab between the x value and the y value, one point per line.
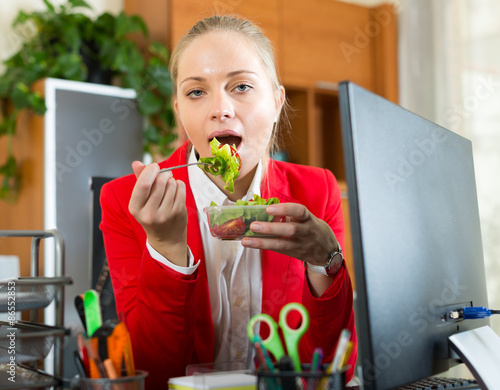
135	382
306	380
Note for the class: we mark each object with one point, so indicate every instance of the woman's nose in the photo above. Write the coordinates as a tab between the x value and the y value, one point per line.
222	108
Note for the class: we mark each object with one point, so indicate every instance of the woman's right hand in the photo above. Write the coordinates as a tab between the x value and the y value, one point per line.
158	203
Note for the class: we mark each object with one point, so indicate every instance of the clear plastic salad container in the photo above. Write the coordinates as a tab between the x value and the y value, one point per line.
233	222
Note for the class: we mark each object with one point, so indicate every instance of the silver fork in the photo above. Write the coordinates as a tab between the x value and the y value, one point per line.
182	166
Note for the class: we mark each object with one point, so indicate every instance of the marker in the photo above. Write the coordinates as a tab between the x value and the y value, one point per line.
92	306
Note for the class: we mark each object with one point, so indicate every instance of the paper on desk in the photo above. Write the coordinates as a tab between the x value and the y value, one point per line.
480	350
214	381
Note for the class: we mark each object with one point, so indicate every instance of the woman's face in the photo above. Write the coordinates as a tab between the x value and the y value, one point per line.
223	91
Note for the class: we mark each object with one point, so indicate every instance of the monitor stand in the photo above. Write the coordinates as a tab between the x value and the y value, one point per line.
479	349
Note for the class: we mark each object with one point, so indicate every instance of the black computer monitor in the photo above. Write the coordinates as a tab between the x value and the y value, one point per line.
415	234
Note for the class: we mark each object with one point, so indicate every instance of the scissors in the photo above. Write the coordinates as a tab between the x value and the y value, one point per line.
292	336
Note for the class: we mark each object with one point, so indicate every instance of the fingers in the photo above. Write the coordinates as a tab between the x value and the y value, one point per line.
144	185
284	245
298	221
303	236
153	189
174	197
296	211
138	167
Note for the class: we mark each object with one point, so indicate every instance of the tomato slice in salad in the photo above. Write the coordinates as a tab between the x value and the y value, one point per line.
235	153
231	229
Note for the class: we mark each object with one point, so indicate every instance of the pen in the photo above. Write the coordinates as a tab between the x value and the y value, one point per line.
317	359
266	363
84	355
80	310
79	364
347	355
97	369
338	356
264	358
128	356
340	351
260	355
316	362
110	369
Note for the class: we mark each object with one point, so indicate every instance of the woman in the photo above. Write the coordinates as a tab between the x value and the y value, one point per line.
187	296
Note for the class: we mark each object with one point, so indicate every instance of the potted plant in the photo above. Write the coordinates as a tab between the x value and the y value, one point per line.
70	45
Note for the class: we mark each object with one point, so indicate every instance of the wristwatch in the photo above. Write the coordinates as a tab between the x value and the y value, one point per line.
325	269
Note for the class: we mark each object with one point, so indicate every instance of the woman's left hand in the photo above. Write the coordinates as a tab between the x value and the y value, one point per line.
303	236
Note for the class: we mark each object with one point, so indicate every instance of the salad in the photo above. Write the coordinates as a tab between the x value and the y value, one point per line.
226	162
233	222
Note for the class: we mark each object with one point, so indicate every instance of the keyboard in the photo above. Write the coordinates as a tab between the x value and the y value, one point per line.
438	383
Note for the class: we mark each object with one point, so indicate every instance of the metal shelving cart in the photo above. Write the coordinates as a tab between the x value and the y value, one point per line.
29	342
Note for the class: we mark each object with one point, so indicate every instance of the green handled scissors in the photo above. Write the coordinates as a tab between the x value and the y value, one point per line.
292	336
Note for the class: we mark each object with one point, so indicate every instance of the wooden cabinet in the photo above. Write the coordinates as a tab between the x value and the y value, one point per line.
318	44
316	34
27	211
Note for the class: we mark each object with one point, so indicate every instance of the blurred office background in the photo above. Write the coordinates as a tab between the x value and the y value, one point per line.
449	73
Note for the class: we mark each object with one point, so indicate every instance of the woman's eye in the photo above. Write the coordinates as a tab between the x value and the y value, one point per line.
243	88
195	93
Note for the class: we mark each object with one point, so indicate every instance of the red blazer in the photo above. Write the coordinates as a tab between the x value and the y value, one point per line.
168	314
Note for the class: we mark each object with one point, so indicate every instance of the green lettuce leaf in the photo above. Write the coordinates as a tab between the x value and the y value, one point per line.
247	213
224	163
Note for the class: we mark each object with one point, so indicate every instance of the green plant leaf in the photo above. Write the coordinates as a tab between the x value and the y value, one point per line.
151	134
133	80
148	103
129	24
160	51
21	18
79	3
10	123
10	184
128	58
5	85
3	127
71	67
167	115
49	6
158	77
19	95
9	168
37	103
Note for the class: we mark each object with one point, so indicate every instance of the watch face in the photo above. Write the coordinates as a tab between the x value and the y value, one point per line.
331	260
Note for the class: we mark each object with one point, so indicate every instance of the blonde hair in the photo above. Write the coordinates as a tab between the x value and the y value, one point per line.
262	45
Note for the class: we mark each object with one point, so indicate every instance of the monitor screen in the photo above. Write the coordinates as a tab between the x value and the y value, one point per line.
416	237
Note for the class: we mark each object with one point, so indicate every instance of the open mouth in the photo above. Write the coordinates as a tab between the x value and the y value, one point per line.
231	140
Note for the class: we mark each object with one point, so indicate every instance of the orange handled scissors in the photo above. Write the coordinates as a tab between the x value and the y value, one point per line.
292	336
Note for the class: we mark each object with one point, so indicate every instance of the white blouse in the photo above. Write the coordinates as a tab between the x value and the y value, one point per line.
234	273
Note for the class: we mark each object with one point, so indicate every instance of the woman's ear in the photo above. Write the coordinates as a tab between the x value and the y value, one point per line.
176	108
280	100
